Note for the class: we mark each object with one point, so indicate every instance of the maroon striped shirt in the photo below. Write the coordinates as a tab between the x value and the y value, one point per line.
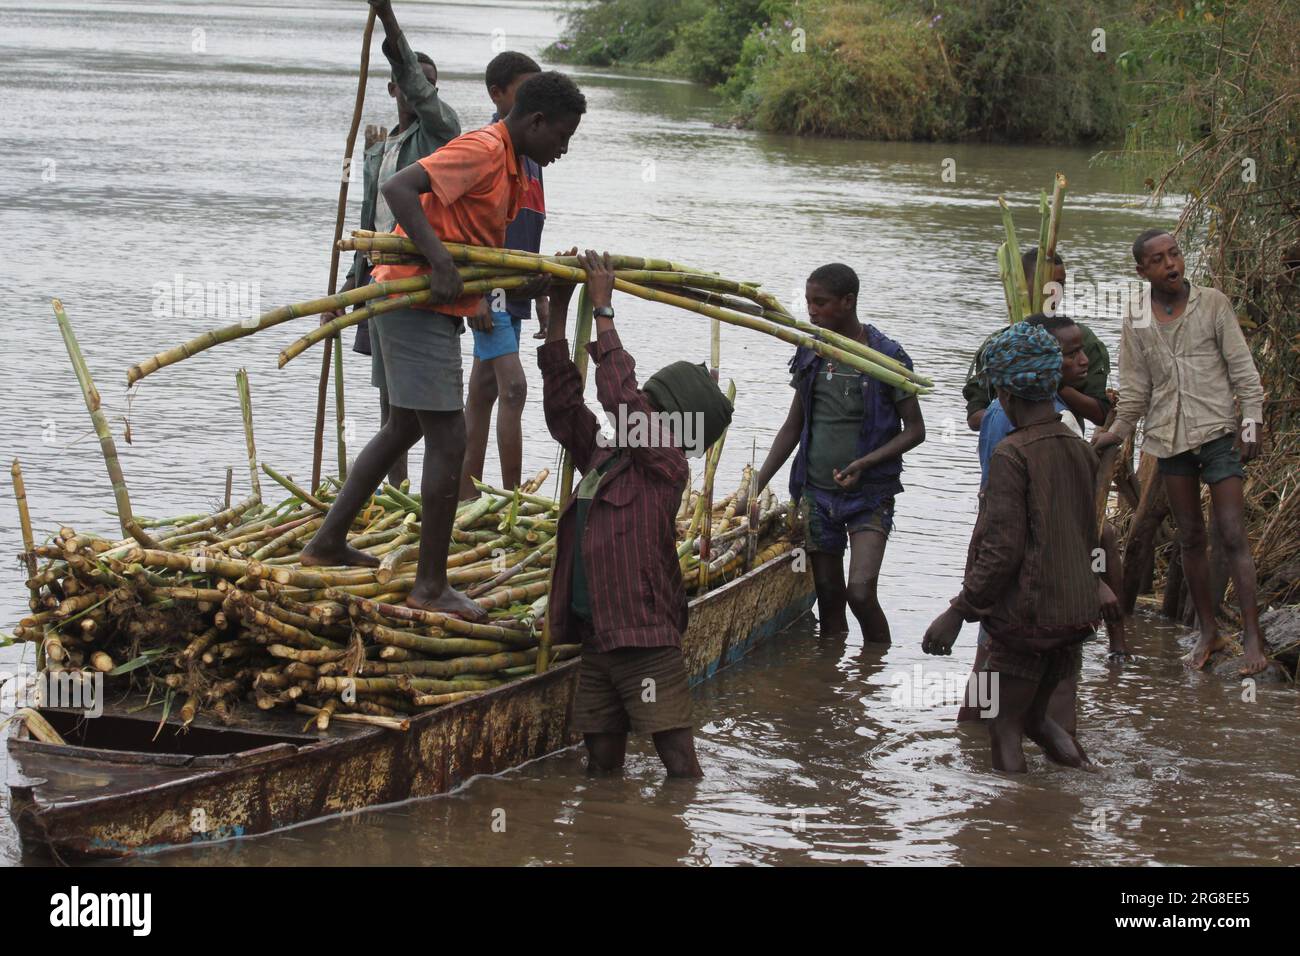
629	544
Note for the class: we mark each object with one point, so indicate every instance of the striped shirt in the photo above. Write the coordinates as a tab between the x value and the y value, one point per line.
629	542
1029	569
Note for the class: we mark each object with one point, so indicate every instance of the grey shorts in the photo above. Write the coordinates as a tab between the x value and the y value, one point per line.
415	357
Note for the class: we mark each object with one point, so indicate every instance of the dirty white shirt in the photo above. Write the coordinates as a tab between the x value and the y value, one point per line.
1186	379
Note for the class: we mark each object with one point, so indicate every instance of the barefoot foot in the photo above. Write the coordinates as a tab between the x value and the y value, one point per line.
1256	661
446	601
1200	655
331	556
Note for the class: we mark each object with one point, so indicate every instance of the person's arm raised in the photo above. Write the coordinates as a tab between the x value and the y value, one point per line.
436	118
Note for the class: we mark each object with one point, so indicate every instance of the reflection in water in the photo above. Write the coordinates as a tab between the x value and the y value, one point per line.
222	166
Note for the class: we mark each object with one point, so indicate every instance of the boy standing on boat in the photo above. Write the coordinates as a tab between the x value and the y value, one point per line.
1029	578
851	432
497	372
617	587
424	123
466	192
1184	368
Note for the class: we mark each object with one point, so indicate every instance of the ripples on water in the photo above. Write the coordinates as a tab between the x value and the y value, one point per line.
221	166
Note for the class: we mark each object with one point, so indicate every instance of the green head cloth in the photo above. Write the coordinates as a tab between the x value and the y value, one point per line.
687	388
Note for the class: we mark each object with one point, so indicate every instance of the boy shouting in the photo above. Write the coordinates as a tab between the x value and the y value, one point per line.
1184	368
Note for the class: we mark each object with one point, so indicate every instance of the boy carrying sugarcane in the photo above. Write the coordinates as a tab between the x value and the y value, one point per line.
617	587
851	432
1086	400
466	192
1029	577
497	372
1184	368
424	123
995	427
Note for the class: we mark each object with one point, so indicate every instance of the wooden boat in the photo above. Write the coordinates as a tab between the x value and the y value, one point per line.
114	790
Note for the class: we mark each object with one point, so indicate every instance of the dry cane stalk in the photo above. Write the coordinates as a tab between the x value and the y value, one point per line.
125	515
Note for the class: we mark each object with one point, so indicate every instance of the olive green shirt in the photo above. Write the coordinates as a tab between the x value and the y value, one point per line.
836	424
978	396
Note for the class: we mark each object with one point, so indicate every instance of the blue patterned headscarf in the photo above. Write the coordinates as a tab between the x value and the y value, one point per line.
1026	361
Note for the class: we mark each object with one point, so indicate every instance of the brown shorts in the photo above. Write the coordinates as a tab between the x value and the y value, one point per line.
1058	665
643	689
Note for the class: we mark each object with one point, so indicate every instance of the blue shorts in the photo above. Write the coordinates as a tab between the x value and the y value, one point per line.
830	517
502	340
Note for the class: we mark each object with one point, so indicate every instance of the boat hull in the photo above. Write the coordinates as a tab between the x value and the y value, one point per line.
147	805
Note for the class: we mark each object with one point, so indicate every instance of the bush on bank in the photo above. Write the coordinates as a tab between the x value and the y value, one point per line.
1020	70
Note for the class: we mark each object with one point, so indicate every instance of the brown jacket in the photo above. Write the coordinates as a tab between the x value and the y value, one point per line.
1029	569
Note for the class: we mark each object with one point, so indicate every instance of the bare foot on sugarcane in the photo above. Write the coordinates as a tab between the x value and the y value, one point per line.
323	554
1210	642
446	601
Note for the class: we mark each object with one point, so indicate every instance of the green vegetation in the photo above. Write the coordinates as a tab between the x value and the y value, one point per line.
1216	123
1022	70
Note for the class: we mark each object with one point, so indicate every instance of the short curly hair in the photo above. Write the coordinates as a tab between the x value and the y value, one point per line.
505	67
552	94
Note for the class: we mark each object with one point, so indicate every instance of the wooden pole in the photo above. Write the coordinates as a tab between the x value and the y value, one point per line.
319	435
581	336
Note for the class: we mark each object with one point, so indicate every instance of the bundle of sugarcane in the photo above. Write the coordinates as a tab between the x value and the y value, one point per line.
1024	299
485	270
214	609
222	610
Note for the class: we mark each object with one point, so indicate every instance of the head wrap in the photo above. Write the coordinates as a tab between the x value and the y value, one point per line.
688	388
1026	361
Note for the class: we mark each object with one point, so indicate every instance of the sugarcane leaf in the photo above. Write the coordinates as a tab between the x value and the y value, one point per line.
136	663
167	709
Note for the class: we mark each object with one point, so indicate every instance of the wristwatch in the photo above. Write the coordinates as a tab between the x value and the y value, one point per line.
604	312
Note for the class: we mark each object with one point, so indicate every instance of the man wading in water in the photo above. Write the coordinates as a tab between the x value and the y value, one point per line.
851	431
617	586
1184	373
424	123
465	192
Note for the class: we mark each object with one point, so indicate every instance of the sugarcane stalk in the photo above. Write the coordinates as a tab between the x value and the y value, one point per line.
246	410
1013	275
29	542
417	297
389	723
1047	250
388	685
581	336
340	415
297	492
109	448
1042	266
